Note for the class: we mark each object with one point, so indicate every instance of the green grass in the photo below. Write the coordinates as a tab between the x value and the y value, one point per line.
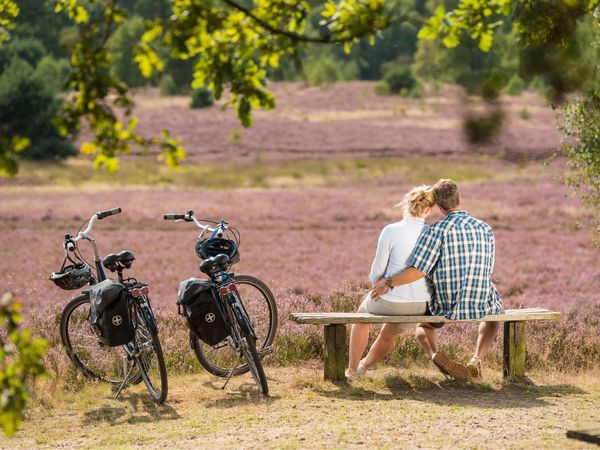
259	174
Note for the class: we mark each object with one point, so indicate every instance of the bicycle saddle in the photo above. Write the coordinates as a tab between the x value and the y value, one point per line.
214	264
123	260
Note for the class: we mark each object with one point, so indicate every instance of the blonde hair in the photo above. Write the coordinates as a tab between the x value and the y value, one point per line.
417	201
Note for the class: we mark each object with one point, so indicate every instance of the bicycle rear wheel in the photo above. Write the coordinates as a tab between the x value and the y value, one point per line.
149	355
259	303
94	360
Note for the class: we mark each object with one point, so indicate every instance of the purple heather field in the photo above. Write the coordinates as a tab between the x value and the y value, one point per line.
313	245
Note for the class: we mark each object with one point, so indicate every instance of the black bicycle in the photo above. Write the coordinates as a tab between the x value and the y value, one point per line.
232	318
109	331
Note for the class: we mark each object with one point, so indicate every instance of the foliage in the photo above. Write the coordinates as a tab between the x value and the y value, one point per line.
581	120
98	91
201	98
121	46
20	362
167	85
399	80
326	69
480	128
8	13
54	73
515	85
27	107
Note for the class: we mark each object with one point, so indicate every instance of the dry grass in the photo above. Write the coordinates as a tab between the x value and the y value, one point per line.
135	171
397	408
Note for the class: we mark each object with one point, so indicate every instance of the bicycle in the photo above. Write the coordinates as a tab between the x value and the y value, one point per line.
249	324
138	359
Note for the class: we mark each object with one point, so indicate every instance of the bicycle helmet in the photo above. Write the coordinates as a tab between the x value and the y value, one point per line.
218	246
73	276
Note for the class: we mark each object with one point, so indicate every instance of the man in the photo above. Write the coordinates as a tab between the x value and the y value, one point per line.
457	255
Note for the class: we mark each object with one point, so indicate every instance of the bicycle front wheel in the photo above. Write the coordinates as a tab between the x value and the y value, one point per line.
94	360
259	304
149	355
255	364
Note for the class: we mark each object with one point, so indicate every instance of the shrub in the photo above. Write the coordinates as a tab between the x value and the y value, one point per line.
515	85
524	114
201	98
327	69
400	80
481	129
167	85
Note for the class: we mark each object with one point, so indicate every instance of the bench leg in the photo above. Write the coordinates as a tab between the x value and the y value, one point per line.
514	350
335	352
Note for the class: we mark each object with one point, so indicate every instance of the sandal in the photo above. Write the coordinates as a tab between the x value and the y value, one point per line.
449	367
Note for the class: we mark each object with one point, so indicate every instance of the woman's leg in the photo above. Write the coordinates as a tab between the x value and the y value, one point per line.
427	337
382	345
359	337
387	336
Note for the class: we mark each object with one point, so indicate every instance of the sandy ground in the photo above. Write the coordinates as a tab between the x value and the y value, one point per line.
389	408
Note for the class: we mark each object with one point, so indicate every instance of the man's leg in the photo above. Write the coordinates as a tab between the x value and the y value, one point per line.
487	334
382	345
427	337
485	338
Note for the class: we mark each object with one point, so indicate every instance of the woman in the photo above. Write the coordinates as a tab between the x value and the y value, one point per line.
396	244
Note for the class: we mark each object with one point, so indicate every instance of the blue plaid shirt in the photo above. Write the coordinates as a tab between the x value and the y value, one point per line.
457	254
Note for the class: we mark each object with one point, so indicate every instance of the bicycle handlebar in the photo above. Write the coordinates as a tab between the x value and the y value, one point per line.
189	217
111	212
84	234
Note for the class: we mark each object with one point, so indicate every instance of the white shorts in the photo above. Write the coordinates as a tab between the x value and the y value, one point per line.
395	308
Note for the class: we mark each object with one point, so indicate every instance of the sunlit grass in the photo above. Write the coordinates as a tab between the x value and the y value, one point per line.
258	174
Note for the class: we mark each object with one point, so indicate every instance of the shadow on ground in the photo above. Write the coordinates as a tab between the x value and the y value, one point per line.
142	410
244	394
524	394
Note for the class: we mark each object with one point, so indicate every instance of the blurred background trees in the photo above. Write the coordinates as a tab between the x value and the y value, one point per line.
78	60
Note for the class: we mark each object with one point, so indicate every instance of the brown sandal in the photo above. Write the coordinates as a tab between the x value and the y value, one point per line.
449	367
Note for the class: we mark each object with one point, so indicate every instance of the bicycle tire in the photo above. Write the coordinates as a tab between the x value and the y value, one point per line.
219	359
146	336
94	361
255	364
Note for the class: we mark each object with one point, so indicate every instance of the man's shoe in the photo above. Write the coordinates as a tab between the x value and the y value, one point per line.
475	368
452	368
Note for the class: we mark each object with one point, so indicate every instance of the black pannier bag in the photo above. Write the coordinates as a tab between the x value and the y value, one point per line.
109	313
197	302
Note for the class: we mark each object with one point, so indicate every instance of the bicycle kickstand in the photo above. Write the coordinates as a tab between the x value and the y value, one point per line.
125	381
231	371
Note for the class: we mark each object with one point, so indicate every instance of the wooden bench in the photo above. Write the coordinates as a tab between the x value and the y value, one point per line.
336	347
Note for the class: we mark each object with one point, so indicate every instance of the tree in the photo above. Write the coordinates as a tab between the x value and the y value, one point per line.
29	82
234	44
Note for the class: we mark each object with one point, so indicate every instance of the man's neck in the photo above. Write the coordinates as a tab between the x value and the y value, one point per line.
446	213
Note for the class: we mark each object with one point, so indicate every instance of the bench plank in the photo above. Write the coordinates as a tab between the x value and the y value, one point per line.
510	315
515	320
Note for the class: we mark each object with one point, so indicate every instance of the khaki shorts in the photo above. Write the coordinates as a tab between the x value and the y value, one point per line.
396	308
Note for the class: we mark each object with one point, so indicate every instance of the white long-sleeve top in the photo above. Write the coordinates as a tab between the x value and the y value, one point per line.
396	244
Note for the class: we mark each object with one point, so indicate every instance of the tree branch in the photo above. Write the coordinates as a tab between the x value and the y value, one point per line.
304	38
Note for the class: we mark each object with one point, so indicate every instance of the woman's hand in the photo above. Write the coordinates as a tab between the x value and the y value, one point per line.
379	289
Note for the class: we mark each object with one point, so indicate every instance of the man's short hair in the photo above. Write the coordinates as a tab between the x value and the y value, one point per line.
446	194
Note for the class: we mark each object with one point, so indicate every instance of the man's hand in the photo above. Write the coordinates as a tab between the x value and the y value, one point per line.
379	289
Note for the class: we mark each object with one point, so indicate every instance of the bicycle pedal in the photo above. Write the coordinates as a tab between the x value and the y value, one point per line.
265	351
